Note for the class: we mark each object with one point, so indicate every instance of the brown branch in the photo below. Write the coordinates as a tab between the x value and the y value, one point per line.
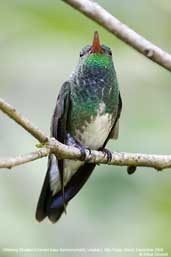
159	162
62	151
98	14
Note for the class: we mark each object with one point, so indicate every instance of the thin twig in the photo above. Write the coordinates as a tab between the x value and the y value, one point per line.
11	162
122	31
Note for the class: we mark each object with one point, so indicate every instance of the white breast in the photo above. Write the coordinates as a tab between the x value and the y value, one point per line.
95	132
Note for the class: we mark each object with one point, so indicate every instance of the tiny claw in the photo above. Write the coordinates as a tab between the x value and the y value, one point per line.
83	153
131	169
108	154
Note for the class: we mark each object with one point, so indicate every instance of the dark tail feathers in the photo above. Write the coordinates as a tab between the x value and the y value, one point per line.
52	206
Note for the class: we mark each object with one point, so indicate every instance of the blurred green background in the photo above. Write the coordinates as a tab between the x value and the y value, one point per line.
39	47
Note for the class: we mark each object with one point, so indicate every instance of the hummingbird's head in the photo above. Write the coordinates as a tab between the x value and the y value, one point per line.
96	55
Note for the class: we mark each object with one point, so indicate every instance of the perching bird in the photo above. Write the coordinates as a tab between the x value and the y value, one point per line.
86	115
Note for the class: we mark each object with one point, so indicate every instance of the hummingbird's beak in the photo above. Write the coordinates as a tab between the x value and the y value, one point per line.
96	48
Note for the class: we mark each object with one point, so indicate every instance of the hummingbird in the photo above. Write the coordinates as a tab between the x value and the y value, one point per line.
86	116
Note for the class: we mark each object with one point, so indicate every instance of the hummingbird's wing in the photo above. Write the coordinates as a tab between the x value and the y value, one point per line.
59	129
115	129
55	167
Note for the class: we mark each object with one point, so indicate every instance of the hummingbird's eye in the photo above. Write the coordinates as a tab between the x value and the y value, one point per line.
110	53
81	53
85	50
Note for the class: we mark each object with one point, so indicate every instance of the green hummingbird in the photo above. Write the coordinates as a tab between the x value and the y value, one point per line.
86	116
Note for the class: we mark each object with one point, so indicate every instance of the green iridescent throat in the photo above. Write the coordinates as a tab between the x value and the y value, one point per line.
98	60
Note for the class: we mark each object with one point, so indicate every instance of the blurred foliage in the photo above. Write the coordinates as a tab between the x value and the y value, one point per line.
39	47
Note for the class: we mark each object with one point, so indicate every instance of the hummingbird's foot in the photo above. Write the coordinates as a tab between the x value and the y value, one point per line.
131	169
83	152
73	142
107	154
